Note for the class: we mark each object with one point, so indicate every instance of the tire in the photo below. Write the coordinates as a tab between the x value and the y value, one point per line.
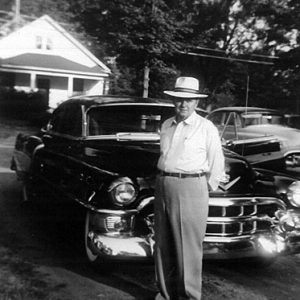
91	257
27	195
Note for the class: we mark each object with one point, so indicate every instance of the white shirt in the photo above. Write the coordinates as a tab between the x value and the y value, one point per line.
192	146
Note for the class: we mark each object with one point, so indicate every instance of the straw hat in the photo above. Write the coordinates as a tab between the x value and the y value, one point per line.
186	87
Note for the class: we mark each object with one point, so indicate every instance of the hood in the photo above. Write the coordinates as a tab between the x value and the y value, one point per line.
128	158
288	135
139	159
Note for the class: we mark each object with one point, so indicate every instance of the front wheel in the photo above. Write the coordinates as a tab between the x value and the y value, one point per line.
87	242
27	194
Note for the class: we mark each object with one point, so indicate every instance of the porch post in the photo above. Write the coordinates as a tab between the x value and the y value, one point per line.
70	86
32	81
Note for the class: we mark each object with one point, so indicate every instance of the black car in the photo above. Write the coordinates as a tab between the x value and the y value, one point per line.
99	153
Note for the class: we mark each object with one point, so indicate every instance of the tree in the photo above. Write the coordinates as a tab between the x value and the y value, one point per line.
140	33
241	32
229	34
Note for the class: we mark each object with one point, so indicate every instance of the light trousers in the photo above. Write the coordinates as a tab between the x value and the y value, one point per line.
181	210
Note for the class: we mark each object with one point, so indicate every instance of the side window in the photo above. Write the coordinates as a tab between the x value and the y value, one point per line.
217	118
229	119
238	120
67	119
56	119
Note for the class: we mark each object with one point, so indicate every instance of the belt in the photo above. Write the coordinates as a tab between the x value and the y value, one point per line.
182	175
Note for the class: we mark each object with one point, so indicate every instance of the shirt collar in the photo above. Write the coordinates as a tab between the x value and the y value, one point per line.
187	121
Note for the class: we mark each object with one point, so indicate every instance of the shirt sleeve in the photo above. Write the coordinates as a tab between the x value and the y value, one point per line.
215	157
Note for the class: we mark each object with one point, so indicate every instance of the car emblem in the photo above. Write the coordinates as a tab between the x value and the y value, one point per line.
228	185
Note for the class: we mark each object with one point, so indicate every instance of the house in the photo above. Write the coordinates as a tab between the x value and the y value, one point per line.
42	56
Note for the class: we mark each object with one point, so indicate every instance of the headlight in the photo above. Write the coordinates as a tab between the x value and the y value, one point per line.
122	191
293	193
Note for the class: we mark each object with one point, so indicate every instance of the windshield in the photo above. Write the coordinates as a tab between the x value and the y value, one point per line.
262	118
106	120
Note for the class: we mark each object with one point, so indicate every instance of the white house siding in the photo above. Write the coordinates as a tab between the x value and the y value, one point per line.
58	91
26	37
94	87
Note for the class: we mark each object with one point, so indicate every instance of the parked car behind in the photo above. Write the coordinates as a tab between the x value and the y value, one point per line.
293	120
243	123
99	154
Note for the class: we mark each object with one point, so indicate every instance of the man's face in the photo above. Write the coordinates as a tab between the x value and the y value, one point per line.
184	107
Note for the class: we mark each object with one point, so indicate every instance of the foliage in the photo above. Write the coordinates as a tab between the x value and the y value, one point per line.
31	106
160	33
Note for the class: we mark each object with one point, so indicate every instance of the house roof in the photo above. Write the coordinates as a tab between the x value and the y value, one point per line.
30	61
54	63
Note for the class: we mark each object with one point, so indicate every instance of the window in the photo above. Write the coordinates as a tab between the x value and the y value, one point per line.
43	43
67	120
38	42
7	79
78	85
49	45
112	119
218	118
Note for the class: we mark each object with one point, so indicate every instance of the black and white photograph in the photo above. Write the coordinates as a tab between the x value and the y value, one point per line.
150	150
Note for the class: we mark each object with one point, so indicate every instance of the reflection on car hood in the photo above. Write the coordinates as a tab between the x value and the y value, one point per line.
290	136
137	136
139	159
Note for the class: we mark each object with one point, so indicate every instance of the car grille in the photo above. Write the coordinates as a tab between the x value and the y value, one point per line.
241	216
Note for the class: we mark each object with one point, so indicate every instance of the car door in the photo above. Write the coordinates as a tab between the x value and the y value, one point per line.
63	146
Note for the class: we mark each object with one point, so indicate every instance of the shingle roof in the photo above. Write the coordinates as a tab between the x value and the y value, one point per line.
49	62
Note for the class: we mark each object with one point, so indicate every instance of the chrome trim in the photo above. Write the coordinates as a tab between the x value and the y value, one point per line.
155	104
130	136
37	148
121	246
294	152
239	201
226	239
232	220
145	202
128	247
268	138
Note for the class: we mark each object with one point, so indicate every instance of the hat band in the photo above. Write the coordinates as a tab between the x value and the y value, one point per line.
185	90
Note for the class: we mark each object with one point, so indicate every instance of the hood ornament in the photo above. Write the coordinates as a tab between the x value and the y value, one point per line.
229	184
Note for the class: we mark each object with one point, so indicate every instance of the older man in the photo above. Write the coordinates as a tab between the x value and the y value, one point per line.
191	163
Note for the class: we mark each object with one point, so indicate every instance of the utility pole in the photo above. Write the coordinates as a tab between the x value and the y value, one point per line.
146	81
17	12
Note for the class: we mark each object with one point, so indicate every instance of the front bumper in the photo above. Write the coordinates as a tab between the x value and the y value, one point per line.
282	238
261	245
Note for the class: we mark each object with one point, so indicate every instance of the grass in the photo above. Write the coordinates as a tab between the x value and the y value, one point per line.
21	280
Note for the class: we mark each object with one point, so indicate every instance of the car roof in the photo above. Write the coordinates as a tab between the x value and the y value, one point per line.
89	100
94	100
241	109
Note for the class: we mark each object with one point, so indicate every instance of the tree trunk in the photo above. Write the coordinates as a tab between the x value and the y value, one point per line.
146	82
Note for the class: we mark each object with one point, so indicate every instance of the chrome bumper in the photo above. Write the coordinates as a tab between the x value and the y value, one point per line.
122	247
283	238
260	245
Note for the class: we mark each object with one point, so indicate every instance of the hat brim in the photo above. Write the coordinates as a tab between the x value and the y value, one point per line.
185	94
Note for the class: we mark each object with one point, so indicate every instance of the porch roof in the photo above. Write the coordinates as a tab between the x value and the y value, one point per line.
30	61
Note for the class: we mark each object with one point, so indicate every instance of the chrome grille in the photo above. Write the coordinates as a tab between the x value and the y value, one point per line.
240	216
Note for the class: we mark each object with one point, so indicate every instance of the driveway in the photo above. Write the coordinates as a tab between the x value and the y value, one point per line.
38	261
